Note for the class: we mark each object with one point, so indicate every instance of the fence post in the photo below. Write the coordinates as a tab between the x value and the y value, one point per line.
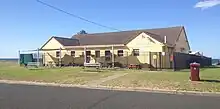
127	57
113	56
44	58
173	62
38	57
19	63
84	55
150	60
160	56
166	54
156	62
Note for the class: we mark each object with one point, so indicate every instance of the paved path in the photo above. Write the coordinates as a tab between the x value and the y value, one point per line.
43	97
100	81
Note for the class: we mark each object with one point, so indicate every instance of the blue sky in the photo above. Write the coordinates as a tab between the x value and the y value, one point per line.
26	24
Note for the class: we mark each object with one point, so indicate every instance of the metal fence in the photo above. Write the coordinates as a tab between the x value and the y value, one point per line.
31	56
154	60
182	60
151	60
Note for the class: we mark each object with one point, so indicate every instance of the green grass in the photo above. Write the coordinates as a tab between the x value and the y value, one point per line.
73	75
135	78
170	80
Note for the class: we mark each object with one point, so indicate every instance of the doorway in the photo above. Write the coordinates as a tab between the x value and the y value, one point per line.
88	56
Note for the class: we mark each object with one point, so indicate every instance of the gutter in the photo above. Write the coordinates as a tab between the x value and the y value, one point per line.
94	46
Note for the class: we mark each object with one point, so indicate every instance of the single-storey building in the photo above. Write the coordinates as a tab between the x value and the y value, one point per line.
128	47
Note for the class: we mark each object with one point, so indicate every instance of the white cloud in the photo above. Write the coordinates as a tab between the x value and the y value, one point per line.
207	4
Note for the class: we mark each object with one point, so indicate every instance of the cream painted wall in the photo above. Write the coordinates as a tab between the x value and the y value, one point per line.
66	58
140	42
52	44
182	43
50	56
145	46
102	54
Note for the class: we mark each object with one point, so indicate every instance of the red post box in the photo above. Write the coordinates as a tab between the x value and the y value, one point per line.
194	71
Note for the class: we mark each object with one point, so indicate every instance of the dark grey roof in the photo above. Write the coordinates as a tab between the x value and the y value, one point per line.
67	41
123	37
171	33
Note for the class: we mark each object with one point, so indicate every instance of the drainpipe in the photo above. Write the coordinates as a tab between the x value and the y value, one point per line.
38	56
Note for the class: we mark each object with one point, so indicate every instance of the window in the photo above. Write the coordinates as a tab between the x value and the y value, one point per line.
136	52
72	53
120	52
107	55
97	54
58	54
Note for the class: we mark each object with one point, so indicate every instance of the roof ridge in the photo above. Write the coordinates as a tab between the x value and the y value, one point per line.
130	30
126	36
64	38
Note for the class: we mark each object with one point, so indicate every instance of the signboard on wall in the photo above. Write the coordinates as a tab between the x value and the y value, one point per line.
171	57
163	53
154	56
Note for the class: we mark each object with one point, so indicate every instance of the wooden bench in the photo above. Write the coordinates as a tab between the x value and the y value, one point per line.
92	65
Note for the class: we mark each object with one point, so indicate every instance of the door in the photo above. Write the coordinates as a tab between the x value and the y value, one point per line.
88	56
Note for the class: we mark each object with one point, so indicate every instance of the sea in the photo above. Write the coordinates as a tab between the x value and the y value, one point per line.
215	61
8	59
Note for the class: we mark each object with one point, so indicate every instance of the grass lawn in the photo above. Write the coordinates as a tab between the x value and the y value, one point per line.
169	80
74	75
135	78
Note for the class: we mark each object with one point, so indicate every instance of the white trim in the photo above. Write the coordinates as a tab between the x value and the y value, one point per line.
61	45
146	35
151	38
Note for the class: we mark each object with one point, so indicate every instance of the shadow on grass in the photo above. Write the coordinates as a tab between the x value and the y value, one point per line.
211	81
212	67
182	70
35	69
92	70
201	69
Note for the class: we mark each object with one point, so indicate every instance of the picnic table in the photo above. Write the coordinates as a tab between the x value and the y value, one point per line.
134	66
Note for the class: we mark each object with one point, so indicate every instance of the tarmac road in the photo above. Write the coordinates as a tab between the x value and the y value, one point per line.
42	97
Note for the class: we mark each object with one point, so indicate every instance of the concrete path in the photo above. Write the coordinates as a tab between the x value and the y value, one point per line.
100	81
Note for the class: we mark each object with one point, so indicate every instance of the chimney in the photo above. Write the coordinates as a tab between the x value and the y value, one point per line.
165	39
